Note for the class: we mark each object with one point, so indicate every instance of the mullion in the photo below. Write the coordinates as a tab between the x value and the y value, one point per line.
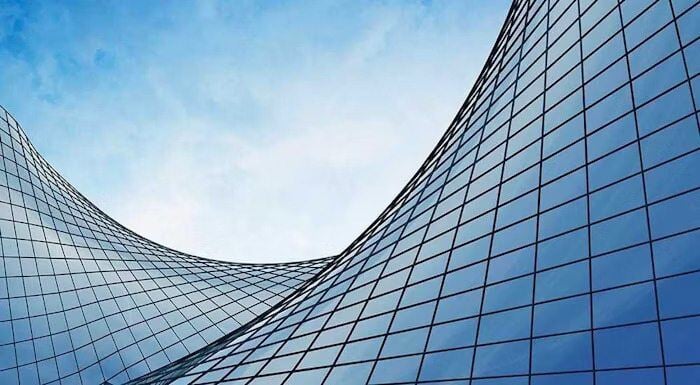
483	292
454	237
646	202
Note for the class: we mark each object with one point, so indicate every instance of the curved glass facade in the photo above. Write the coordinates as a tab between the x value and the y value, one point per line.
551	237
84	300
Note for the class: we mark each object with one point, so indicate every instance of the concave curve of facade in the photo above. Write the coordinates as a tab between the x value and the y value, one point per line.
551	237
84	300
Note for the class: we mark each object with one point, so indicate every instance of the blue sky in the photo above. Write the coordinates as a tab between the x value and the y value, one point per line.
241	130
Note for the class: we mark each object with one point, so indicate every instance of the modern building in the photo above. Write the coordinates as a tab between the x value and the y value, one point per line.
84	300
551	237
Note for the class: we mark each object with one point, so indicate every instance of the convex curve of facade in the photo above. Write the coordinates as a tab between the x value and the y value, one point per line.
84	300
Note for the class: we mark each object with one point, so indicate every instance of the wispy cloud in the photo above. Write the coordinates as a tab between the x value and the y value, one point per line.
239	131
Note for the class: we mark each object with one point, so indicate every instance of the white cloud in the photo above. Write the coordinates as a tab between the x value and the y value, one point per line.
253	135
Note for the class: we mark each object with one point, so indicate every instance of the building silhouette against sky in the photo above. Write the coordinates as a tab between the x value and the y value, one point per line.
551	237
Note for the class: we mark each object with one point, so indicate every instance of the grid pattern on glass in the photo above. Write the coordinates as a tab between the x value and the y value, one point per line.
84	300
551	237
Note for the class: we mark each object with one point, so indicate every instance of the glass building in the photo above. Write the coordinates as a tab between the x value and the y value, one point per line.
84	300
552	237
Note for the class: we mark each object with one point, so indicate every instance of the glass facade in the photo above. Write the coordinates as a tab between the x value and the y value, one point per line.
84	300
551	237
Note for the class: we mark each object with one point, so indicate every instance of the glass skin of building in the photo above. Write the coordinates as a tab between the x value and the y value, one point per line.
551	237
83	300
